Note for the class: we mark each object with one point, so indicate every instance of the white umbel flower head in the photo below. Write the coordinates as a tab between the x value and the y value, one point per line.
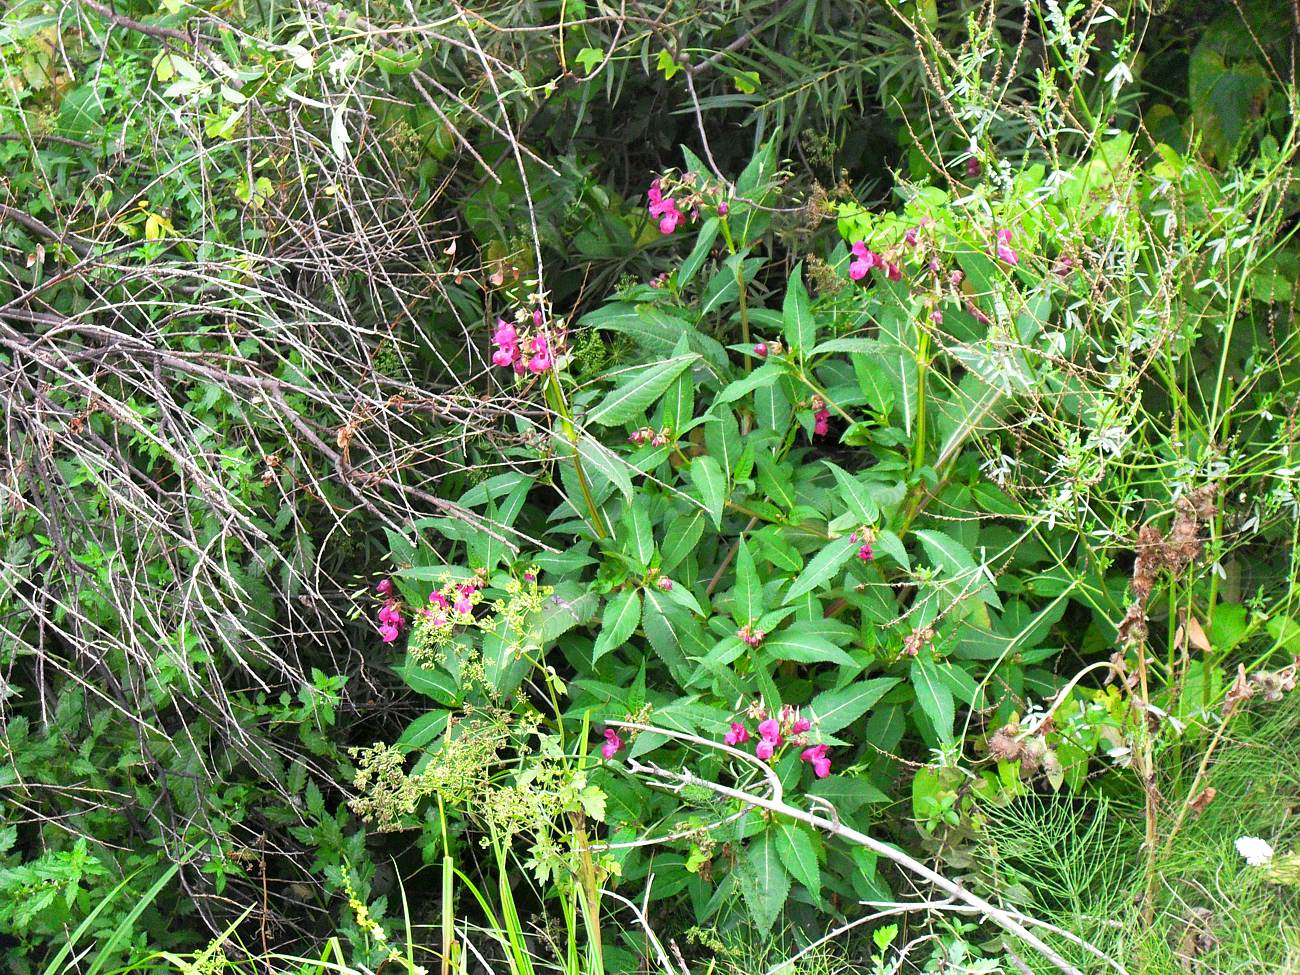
1255	851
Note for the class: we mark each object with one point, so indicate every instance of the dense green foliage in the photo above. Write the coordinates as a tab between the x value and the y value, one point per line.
446	450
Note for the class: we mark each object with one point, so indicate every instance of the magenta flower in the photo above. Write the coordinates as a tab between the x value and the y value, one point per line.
764	749
1004	249
893	271
821	422
864	261
760	350
537	317
438	599
816	755
738	734
936	316
664	209
506	339
389	632
613	744
389	613
800	726
463	605
723	208
541	349
385	587
770	730
865	553
973	166
665	584
910	237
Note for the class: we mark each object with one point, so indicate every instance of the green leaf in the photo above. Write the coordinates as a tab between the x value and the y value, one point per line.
703	245
423	730
824	565
632	397
431	682
667	65
621	618
835	710
855	495
711	485
603	461
805	648
933	696
666	626
891	545
798	855
589	57
765	884
749	590
680	539
956	560
640	538
764	375
797	322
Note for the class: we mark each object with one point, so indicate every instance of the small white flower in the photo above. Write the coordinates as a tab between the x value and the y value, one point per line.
1256	852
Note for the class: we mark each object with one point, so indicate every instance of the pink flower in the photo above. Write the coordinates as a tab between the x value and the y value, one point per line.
737	735
864	261
764	749
893	271
505	338
389	613
463	605
505	334
973	167
936	316
770	730
530	576
800	726
438	599
910	237
437	619
385	587
821	422
389	632
664	209
760	350
665	584
537	317
723	208
505	357
865	553
613	744
817	756
541	348
1004	249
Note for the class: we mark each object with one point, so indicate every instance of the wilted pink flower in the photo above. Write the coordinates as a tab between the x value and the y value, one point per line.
760	350
864	260
665	584
385	587
893	271
821	422
973	166
936	316
738	734
613	743
817	756
1005	252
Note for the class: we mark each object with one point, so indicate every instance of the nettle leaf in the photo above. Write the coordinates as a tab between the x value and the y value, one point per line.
835	710
797	323
765	884
711	484
823	567
634	395
621	618
798	853
933	696
748	593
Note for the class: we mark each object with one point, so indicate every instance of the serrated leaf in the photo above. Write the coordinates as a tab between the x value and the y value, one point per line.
634	395
764	375
805	648
855	495
933	697
891	545
703	245
797	324
640	538
711	485
600	459
749	590
767	884
620	620
798	855
835	710
956	560
823	567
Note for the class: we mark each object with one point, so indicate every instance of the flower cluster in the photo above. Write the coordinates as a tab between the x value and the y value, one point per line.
391	620
520	351
663	208
647	436
454	602
788	727
866	260
750	636
863	535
